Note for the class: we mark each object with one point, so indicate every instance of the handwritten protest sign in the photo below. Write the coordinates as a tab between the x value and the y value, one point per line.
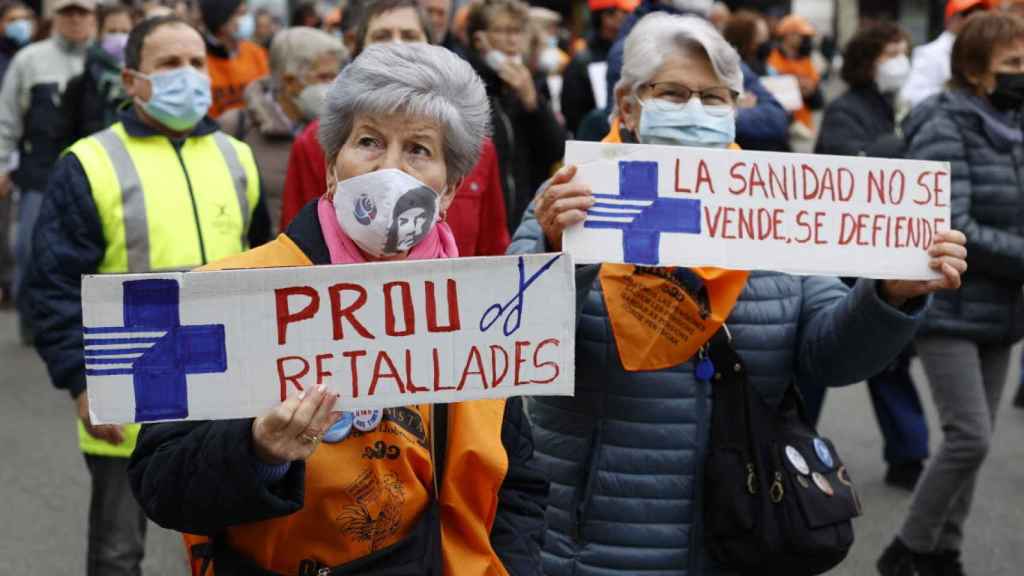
795	213
232	344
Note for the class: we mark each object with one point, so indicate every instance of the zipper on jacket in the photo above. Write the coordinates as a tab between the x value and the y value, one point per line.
192	198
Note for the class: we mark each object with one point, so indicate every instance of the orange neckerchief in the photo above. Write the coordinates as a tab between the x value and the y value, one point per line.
660	317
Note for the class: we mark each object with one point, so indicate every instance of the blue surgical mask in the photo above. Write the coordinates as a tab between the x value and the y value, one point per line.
690	124
179	99
246	26
20	31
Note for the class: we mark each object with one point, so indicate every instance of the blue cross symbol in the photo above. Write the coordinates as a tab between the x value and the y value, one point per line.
641	214
155	349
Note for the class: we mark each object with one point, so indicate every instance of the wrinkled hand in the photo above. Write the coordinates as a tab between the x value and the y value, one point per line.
5	186
107	432
563	204
519	78
949	256
292	431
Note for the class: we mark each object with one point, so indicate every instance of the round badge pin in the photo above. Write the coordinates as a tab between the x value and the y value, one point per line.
797	460
340	429
367	420
823	484
802	480
823	453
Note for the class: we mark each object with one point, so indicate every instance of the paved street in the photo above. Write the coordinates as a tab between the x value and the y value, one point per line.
44	483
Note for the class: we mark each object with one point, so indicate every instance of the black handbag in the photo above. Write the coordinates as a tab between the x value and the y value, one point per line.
777	497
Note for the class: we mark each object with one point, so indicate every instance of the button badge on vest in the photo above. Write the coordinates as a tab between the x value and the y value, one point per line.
368	420
340	429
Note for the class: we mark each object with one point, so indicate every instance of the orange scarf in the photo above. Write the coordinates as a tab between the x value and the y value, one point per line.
660	316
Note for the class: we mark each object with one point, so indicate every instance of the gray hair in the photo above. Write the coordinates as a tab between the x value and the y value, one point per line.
294	50
659	32
413	79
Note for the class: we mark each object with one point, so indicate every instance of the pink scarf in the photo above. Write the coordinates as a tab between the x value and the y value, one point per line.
439	242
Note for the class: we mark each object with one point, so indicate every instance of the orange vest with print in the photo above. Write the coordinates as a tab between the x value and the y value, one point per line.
230	76
368	491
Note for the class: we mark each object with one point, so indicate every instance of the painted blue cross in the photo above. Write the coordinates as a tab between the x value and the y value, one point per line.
155	349
641	214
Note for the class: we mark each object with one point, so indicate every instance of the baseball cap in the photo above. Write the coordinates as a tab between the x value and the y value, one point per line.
954	7
794	24
89	5
627	5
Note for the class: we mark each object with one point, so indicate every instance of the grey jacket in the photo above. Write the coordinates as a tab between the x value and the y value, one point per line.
987	204
625	454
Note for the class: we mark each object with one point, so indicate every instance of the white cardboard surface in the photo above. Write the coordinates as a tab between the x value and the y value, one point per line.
794	213
512	336
786	89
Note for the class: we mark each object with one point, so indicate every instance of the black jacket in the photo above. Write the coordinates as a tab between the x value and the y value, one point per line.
528	143
202	477
987	205
68	242
92	99
861	122
577	93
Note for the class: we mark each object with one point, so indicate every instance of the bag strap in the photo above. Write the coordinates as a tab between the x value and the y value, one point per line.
730	416
438	444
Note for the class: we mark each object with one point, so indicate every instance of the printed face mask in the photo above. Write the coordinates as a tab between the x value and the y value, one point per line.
179	99
892	74
386	212
690	124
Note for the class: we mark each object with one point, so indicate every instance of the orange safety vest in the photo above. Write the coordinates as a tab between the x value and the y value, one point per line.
801	68
230	76
368	491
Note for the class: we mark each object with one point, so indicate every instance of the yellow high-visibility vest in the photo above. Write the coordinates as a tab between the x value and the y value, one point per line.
163	207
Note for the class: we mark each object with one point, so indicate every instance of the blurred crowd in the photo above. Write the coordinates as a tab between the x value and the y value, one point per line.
102	110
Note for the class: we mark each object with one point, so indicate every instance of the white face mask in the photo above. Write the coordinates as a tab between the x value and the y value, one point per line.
311	100
496	59
892	74
385	212
549	60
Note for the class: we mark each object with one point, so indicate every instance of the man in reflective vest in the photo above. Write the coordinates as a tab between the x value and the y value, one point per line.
163	189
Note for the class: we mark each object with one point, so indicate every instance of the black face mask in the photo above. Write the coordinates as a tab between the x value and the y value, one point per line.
1009	92
806	45
764	50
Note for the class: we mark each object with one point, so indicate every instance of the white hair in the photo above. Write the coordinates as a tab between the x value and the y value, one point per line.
657	33
295	50
416	80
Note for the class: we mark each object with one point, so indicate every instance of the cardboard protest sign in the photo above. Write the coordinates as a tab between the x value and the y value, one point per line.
232	344
795	213
785	89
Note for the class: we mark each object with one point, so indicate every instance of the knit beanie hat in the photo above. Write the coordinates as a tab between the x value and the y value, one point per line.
216	13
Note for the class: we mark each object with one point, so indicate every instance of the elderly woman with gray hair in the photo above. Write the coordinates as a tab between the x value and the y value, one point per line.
303	63
308	488
625	455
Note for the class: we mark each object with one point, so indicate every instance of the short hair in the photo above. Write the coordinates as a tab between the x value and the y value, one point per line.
863	50
656	33
418	80
375	8
6	7
740	30
104	11
482	11
294	50
143	30
983	33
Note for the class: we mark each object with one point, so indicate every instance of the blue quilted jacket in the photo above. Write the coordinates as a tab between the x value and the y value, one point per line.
625	454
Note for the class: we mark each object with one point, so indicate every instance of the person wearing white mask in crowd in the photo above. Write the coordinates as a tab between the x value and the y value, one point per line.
625	454
864	122
234	61
303	63
162	189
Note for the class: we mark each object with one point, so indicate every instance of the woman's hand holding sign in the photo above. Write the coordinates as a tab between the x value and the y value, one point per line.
292	431
562	204
949	256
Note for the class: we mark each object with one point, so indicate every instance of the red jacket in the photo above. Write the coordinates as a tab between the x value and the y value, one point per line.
476	217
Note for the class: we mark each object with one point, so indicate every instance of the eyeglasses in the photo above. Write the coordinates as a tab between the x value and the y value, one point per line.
679	94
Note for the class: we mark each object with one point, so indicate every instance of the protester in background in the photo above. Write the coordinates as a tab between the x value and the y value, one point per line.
578	91
966	339
303	63
792	55
748	33
18	23
476	217
418	114
616	510
234	62
439	14
305	14
93	98
162	189
862	122
266	26
528	137
929	70
29	112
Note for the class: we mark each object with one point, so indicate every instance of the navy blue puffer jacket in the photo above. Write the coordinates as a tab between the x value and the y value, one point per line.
625	454
986	204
